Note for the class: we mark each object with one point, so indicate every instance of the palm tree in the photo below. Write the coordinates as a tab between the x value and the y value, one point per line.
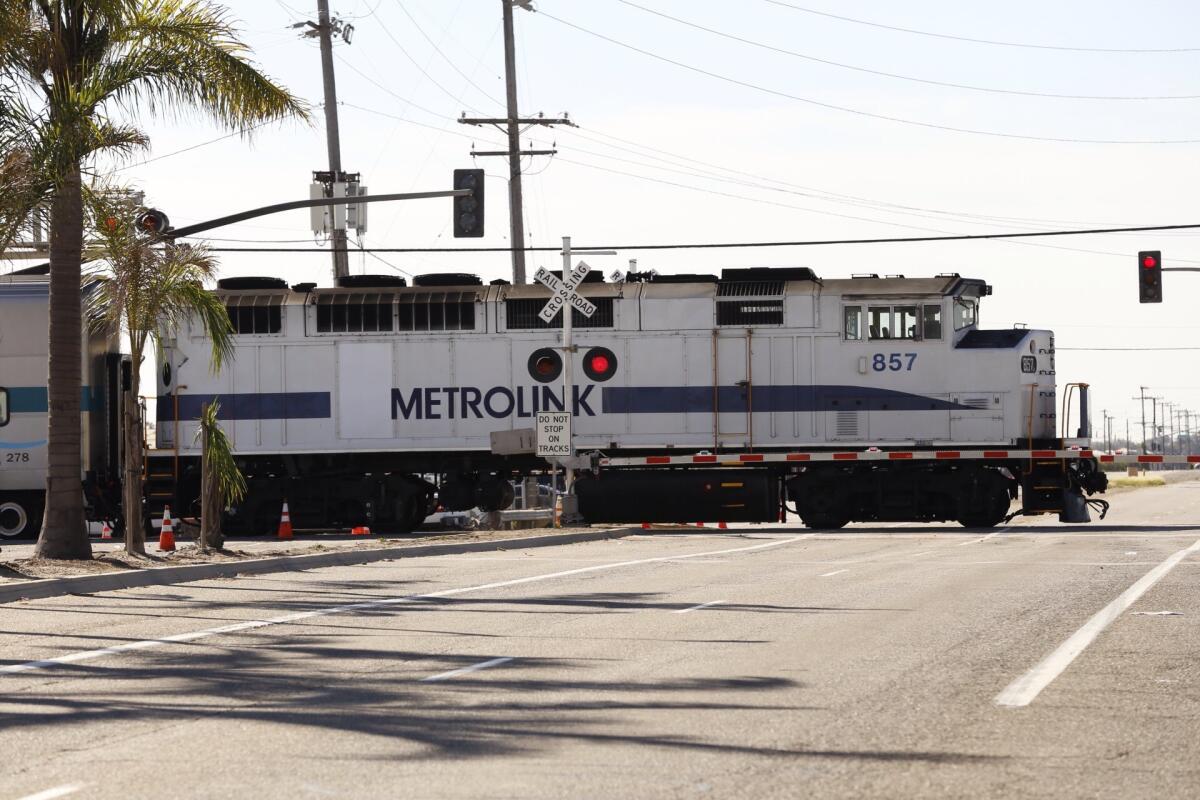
78	63
221	482
147	292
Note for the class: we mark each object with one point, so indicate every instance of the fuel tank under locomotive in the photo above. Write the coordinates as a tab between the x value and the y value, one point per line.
716	495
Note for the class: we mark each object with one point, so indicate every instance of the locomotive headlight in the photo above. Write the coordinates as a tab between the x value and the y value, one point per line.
600	363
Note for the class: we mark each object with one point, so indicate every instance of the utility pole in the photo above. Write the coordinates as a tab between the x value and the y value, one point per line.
511	126
323	30
1104	416
1142	397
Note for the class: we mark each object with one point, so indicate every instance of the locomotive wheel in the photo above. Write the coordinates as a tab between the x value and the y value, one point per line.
19	518
413	512
992	512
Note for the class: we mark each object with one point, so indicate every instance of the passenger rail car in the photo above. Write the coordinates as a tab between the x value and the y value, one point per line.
374	400
24	356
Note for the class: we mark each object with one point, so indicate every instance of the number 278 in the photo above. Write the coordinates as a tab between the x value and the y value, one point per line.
893	361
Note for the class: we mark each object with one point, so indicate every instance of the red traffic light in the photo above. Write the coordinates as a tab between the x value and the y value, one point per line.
1150	276
153	221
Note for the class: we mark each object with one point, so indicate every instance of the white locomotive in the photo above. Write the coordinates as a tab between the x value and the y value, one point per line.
367	401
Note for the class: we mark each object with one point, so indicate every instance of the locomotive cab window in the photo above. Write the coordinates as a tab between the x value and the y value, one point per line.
932	322
910	322
964	313
852	322
3	407
880	322
907	323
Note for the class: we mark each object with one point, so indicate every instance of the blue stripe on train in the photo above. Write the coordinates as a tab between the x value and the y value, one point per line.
249	405
735	399
614	400
35	400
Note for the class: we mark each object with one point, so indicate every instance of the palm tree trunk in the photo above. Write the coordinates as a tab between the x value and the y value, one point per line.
210	501
64	530
131	483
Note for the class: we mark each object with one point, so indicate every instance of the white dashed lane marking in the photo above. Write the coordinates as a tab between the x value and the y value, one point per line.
698	607
454	673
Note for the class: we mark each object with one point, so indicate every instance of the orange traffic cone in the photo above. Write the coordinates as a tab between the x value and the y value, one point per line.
645	526
106	532
360	530
699	524
285	523
722	526
166	536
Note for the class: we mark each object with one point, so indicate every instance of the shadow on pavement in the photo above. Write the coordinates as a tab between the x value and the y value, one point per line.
527	706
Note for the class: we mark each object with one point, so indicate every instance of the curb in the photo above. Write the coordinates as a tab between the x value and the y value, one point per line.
163	576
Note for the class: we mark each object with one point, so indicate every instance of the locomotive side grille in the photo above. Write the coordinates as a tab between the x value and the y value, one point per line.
354	313
750	311
255	313
847	425
750	289
522	314
437	311
750	303
976	402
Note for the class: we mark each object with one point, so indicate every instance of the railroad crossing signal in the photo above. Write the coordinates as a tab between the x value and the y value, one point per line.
1150	276
564	292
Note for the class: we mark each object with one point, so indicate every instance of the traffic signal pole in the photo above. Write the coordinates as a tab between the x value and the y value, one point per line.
341	261
241	216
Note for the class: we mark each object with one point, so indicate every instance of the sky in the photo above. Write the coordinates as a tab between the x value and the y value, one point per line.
755	133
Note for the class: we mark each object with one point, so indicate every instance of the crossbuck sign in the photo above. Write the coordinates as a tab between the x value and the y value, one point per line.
564	292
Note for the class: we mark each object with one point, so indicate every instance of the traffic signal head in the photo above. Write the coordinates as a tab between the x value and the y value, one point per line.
468	209
1150	276
153	222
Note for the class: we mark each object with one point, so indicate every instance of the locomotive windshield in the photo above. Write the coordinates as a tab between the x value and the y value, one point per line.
3	406
964	313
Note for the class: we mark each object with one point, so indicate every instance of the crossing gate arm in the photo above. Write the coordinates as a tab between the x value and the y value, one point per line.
801	457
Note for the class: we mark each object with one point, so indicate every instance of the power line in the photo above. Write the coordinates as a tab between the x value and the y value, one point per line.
882	73
858	111
421	69
829	213
820	194
202	144
733	245
445	57
983	41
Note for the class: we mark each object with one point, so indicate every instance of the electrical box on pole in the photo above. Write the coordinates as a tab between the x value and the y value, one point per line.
468	209
1150	276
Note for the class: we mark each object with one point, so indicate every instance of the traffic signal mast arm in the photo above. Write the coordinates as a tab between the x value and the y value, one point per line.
200	227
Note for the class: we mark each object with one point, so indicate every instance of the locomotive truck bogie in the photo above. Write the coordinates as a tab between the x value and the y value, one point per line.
829	496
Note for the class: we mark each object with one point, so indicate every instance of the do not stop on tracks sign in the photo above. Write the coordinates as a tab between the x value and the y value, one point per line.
553	434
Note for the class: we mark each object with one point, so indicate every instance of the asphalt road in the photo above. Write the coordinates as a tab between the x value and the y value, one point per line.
901	661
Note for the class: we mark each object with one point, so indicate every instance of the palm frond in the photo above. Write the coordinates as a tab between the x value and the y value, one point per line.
176	55
231	484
